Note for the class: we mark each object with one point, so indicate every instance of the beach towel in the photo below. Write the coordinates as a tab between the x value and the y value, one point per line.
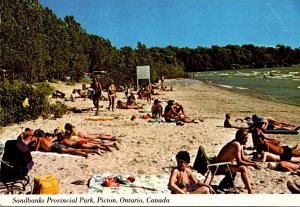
55	154
98	118
145	184
202	160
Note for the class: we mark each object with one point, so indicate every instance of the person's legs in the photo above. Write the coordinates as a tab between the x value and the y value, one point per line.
201	190
113	103
73	151
267	156
244	175
296	152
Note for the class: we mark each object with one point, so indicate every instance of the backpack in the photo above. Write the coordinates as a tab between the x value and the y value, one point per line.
46	184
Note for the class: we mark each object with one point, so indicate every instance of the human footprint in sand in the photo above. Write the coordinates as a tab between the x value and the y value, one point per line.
233	152
182	181
71	131
46	143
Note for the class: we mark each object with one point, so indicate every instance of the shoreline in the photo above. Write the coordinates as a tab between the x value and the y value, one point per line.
149	148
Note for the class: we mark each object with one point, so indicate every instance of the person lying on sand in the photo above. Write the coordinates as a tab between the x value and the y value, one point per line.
45	142
284	166
284	152
182	181
233	152
123	105
85	144
270	123
76	110
71	131
287	156
173	113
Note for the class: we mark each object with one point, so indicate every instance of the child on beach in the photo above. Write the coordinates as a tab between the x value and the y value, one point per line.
182	181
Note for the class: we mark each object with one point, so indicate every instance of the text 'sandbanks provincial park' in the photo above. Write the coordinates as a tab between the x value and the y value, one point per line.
116	100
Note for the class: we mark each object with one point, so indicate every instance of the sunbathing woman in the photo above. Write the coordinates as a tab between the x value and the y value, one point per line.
71	131
83	143
182	180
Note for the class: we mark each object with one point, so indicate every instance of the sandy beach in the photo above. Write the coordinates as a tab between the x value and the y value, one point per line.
149	148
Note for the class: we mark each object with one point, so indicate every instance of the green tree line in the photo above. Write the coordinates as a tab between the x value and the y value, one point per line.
36	45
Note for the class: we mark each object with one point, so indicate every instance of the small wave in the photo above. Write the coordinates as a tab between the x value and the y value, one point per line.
293	73
225	86
241	88
298	86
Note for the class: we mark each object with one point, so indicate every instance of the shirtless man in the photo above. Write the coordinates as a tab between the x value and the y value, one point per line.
233	152
46	143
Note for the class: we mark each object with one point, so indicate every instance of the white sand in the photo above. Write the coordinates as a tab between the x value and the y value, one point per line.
149	148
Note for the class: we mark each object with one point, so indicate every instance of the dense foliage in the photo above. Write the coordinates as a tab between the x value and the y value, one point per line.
36	45
20	101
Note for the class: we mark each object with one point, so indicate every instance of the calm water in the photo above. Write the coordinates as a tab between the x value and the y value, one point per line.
280	84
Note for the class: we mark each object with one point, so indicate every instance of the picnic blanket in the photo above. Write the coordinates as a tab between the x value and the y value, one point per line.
145	184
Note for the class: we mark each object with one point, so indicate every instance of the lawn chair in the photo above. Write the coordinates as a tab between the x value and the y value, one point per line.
208	165
15	165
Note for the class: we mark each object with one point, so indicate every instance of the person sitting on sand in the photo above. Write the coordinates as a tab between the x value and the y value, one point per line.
85	144
157	109
258	137
82	94
46	143
182	181
227	123
172	113
71	131
233	152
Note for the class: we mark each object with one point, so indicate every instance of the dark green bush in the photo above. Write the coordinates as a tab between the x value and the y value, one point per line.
14	95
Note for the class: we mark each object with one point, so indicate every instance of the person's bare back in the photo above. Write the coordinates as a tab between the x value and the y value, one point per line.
229	152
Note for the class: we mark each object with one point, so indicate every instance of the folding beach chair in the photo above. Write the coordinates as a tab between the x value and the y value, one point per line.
15	164
208	166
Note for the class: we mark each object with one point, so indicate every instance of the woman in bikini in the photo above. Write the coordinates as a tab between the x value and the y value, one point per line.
112	95
182	180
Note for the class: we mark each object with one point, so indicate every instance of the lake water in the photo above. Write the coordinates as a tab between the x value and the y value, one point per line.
280	84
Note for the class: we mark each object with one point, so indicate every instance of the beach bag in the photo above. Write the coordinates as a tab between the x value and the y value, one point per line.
46	184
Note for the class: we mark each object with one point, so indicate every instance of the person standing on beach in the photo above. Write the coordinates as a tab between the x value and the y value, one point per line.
96	85
233	152
112	95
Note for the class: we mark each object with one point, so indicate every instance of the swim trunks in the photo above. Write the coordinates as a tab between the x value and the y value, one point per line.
80	142
287	154
58	148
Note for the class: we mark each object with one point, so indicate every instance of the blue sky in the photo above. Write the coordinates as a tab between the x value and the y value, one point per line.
186	23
